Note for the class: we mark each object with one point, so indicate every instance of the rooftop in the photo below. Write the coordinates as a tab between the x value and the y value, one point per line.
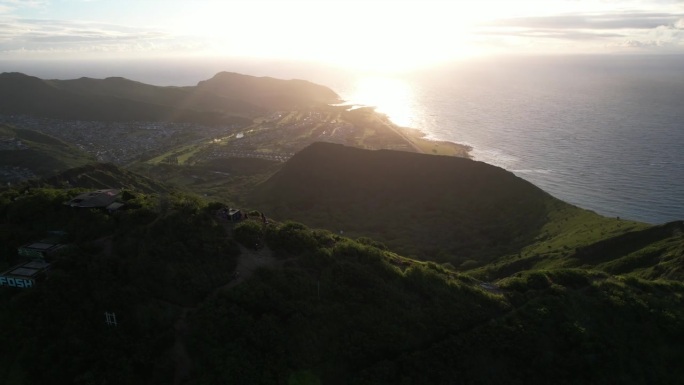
27	269
38	249
40	246
98	198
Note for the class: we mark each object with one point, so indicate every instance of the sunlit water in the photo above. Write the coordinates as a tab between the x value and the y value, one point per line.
603	133
391	96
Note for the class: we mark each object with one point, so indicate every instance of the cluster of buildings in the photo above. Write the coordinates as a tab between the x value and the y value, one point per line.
107	199
117	142
280	136
275	138
36	255
15	174
11	144
35	265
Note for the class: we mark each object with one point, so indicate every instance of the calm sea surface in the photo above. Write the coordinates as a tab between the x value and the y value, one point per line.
605	133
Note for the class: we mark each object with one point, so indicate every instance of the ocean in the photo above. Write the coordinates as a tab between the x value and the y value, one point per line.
605	133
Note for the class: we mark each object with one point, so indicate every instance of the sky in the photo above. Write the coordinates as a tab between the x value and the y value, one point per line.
372	34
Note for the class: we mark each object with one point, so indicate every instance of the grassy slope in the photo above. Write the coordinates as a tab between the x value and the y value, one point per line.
353	314
562	234
103	175
45	155
224	179
132	263
579	238
335	311
341	311
431	207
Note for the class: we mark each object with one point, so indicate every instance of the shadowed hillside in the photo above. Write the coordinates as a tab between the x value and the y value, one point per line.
268	92
536	291
194	305
176	97
26	154
433	207
225	99
612	246
27	95
102	176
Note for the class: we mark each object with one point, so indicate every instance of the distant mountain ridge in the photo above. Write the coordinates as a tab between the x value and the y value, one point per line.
268	92
226	98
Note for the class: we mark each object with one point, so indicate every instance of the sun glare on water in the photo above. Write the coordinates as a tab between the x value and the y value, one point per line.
391	96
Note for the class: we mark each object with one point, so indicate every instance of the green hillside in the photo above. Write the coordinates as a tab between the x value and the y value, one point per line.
223	179
432	207
37	153
408	268
477	217
620	247
195	304
102	176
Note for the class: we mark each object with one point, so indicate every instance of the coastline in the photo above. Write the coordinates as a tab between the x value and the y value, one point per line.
417	139
436	147
414	137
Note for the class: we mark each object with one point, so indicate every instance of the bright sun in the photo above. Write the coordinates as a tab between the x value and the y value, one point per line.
391	96
378	35
373	35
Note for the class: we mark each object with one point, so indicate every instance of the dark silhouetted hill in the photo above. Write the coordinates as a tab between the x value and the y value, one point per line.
226	98
268	92
308	307
181	98
433	207
102	176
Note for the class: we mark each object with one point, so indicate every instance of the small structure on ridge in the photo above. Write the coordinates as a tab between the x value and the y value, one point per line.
229	214
24	275
96	199
34	266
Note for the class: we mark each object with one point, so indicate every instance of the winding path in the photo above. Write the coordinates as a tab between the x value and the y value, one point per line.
248	262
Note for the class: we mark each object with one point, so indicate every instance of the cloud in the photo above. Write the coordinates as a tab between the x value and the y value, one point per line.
27	36
573	32
25	3
554	34
628	20
656	31
9	6
668	37
640	44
